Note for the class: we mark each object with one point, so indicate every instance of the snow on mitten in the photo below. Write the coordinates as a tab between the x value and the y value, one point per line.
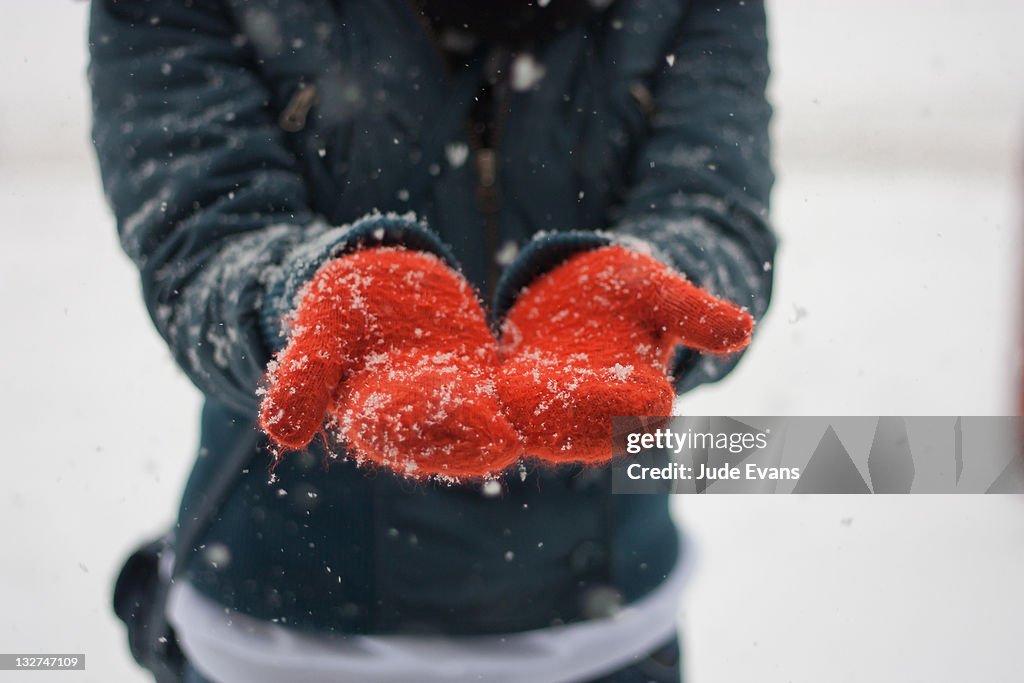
592	339
393	346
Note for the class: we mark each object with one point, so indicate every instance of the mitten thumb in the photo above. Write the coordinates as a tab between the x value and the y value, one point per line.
700	320
303	380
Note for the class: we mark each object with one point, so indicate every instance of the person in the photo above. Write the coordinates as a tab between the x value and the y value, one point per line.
521	150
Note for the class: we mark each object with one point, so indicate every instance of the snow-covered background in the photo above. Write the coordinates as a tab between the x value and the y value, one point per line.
899	131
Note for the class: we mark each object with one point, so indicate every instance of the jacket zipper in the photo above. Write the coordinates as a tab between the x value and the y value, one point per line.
488	199
485	161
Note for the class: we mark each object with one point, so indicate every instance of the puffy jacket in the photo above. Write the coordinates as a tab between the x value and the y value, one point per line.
243	142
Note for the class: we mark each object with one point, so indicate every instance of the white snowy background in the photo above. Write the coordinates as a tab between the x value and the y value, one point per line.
899	131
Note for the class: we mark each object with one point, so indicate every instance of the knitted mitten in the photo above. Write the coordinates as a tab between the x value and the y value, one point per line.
393	347
592	339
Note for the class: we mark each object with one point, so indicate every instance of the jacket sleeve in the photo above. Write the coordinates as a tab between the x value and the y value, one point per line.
703	178
700	182
209	202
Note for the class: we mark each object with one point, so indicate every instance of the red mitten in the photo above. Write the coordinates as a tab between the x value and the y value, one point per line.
592	338
394	347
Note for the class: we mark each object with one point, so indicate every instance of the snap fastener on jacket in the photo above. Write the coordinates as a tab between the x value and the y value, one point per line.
293	117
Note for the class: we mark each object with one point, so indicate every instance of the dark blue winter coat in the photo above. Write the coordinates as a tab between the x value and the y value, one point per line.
242	143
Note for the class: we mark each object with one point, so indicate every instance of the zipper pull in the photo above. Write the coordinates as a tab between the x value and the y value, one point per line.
487	174
293	118
487	166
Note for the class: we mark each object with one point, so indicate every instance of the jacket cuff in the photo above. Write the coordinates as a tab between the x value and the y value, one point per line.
284	283
544	253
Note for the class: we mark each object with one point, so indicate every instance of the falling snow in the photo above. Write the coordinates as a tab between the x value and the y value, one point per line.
527	72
